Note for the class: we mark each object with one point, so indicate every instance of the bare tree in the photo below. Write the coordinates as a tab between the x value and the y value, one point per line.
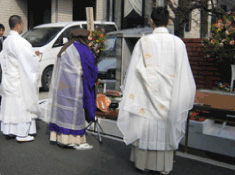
183	8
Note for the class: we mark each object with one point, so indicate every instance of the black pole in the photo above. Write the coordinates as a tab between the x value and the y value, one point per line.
108	10
113	11
122	14
187	134
143	12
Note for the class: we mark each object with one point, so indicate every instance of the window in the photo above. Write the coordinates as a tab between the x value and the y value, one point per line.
41	36
107	28
65	34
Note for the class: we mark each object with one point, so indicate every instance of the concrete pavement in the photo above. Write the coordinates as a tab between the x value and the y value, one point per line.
40	157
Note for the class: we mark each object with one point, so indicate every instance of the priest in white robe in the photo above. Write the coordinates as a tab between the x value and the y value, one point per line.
159	90
20	70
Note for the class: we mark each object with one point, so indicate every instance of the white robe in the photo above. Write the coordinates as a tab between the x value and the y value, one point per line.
19	86
159	90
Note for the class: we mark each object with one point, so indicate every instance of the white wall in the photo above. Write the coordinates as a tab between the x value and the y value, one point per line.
101	10
65	11
13	7
195	25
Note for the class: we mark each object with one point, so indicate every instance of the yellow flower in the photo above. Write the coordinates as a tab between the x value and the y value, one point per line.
218	30
97	41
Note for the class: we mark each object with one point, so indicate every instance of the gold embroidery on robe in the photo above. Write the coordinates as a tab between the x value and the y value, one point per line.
161	107
148	56
63	86
142	111
132	96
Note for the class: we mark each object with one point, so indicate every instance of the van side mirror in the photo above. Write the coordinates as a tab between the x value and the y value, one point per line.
65	40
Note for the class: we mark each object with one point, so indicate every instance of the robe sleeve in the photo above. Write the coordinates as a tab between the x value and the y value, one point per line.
130	127
29	74
183	95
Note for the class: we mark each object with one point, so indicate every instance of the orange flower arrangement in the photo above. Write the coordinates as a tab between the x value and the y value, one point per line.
232	42
193	116
96	41
221	43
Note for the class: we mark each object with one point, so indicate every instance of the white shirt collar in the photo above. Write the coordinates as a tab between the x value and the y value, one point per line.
160	30
13	32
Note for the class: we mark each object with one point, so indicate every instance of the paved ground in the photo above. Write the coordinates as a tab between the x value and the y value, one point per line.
43	95
40	157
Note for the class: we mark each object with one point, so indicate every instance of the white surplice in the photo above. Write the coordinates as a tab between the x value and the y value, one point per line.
20	71
159	90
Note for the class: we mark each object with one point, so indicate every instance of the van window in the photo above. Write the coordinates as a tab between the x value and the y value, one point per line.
38	37
110	47
107	28
65	34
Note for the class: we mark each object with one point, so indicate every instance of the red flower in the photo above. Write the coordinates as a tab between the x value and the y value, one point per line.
213	41
220	20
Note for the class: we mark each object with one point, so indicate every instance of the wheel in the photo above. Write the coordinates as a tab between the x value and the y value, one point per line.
46	78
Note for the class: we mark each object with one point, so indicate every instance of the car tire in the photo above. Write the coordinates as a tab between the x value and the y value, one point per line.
46	78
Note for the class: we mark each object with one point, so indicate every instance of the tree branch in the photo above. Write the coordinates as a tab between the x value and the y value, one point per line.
170	4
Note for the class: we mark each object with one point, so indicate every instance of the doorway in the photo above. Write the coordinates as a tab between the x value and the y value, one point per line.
39	12
79	9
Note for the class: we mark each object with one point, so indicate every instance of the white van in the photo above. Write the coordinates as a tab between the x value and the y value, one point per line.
48	40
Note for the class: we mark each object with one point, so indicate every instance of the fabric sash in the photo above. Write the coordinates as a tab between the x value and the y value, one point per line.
90	73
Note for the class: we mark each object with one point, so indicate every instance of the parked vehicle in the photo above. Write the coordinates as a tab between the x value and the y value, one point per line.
48	40
107	64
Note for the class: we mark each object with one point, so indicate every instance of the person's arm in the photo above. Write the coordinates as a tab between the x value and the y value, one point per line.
29	62
29	70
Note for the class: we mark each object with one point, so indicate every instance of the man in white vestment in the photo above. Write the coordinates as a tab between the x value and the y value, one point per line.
159	91
20	68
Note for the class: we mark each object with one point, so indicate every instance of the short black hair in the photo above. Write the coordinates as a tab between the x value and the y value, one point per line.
13	20
2	27
160	16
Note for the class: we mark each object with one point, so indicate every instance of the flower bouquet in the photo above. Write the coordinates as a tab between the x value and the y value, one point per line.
224	87
221	42
96	41
193	116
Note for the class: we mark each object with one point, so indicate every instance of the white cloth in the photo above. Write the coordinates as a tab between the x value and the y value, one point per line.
20	69
20	129
132	5
159	89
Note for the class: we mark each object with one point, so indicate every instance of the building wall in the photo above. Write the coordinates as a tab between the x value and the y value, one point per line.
118	15
204	69
13	7
65	11
101	10
195	25
195	22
